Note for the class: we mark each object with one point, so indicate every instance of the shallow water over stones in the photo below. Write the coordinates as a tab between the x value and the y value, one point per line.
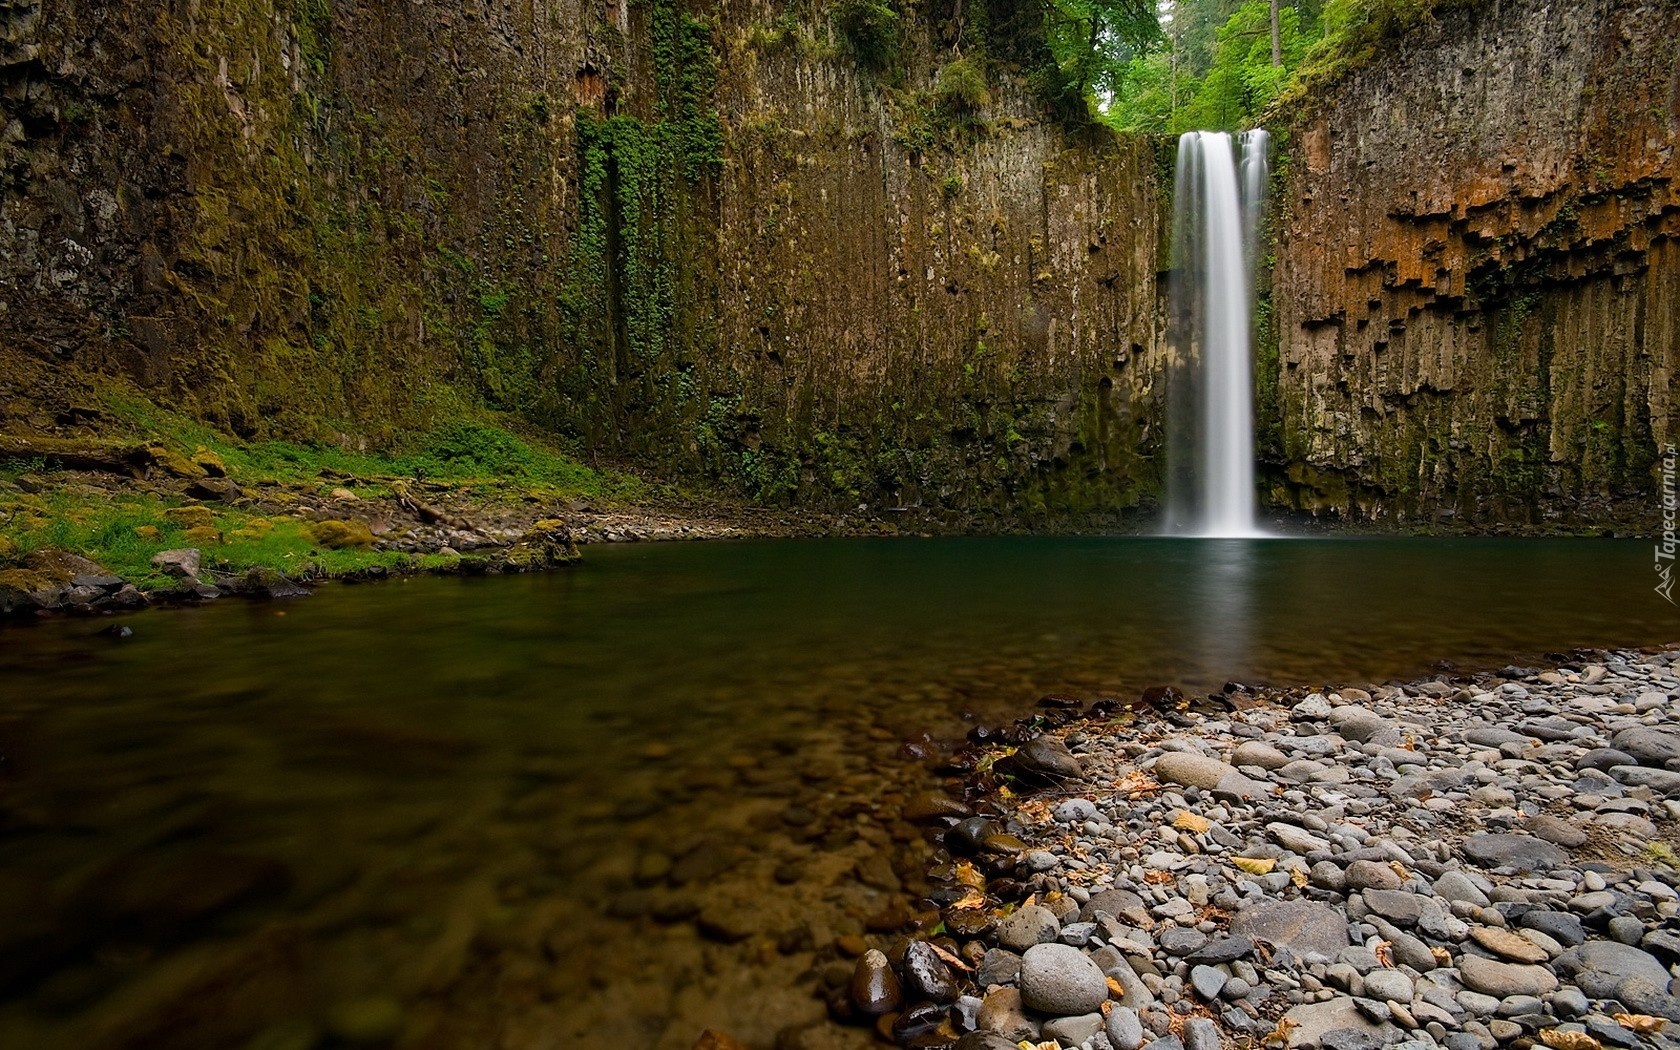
621	804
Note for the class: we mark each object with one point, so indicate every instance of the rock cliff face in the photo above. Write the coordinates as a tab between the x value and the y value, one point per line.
702	237
709	239
1477	286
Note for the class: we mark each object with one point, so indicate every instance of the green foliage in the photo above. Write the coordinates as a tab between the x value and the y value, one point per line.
950	115
471	452
123	535
1092	42
685	67
1216	71
871	29
1228	87
961	87
314	32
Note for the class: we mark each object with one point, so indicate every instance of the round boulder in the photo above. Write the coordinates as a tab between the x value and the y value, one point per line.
1061	980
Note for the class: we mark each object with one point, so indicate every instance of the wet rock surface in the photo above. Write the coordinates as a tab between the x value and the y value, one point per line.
1431	877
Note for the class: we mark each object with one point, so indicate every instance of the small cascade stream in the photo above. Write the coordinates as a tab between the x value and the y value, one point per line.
1216	220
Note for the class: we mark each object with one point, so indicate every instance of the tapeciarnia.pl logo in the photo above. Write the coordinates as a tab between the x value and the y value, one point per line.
1665	549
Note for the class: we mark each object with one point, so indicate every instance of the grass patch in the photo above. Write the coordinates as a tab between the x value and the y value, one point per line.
123	534
122	530
472	455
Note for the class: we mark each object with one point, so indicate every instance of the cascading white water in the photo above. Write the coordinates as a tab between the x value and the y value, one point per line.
1216	222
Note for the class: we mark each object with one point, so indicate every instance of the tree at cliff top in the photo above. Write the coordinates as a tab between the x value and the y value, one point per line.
1222	64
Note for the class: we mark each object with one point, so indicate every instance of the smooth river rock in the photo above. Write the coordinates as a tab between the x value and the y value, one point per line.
1061	980
1596	967
875	988
1180	767
1522	852
1499	979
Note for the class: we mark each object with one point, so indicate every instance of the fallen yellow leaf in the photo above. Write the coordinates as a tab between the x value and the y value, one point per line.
1558	1039
1188	821
1641	1023
1254	865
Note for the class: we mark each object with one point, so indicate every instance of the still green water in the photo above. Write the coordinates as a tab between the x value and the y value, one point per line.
614	805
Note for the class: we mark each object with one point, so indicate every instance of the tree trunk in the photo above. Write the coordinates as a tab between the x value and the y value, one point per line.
1277	44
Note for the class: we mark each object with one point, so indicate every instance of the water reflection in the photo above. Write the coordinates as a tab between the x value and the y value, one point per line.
1223	578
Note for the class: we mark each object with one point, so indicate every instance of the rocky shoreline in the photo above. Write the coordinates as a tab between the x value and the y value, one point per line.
1453	862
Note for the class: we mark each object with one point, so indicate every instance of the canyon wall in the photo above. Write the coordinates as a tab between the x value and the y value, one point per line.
785	251
704	238
1476	296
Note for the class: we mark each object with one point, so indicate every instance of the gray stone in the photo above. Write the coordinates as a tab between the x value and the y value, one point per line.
1208	981
1125	1031
1665	781
1522	852
1181	940
1312	1023
1491	977
1297	840
1192	770
1458	887
1045	757
1061	980
1371	875
1641	996
1569	1001
1328	875
1221	950
1122	904
1312	708
1597	967
1072	1031
1200	1033
1477	1004
184	562
1384	985
1133	992
1256	753
1075	810
1605	758
1398	905
1653	745
1301	926
1609	1032
1034	924
1562	927
1235	787
998	967
985	1041
1493	736
1300	771
1555	830
1627	929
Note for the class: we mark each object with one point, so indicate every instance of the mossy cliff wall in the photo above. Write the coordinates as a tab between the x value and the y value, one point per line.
702	237
1477	286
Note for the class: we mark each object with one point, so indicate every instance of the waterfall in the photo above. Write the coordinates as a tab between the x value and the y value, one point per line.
1220	190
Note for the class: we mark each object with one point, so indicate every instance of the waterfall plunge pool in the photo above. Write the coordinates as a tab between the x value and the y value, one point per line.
615	805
